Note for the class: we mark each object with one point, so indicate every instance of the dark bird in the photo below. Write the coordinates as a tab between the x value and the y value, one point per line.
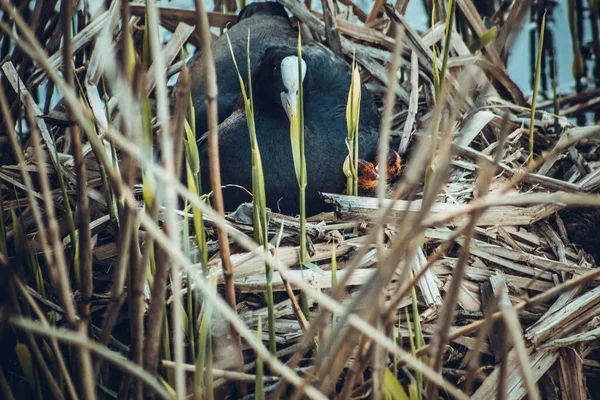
274	79
269	25
583	228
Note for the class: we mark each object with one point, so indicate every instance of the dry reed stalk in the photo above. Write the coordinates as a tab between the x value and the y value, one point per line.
215	176
384	137
170	199
82	215
137	274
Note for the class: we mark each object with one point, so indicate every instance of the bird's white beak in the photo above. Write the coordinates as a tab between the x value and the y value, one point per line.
289	75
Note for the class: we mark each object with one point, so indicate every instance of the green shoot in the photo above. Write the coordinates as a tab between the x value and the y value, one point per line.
302	171
436	72
352	119
447	39
392	389
333	278
259	205
259	388
200	378
536	83
3	248
420	342
439	84
483	40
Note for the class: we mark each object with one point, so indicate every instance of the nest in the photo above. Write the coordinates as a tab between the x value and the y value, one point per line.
481	281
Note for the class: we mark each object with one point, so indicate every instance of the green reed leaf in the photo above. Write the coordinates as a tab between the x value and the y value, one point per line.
536	84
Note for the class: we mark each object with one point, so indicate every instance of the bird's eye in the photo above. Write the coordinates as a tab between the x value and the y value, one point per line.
275	70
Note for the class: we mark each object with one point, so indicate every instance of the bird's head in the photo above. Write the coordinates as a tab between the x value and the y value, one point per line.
276	79
367	176
393	165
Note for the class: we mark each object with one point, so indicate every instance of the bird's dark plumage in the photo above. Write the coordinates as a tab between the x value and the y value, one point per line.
265	9
269	25
583	228
326	87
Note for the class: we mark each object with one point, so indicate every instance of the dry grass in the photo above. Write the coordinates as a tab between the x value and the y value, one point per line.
470	288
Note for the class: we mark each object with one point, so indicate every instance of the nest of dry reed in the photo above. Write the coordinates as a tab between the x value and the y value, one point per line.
474	289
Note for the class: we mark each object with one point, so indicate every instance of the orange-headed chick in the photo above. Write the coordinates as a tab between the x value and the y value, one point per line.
367	178
393	166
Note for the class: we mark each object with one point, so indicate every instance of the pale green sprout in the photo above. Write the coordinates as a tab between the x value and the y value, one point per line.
259	205
352	120
292	101
538	69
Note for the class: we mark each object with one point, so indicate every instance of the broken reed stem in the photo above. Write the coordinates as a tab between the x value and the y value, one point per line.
215	177
375	10
58	267
386	117
475	353
124	235
82	213
384	135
